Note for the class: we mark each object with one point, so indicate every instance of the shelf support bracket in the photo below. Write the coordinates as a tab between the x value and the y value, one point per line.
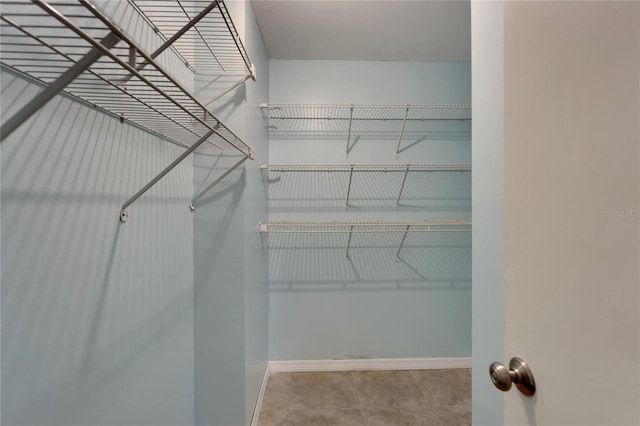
406	172
404	122
349	188
57	86
124	215
349	131
349	241
252	76
404	237
217	181
175	37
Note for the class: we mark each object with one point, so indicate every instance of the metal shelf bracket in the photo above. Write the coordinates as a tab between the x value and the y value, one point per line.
349	187
349	131
192	205
404	180
251	75
404	237
124	215
404	122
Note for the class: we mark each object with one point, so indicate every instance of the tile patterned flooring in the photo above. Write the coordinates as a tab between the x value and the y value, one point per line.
368	398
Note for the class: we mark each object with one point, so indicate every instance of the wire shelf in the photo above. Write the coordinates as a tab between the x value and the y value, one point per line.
212	46
337	121
43	40
373	167
292	227
327	187
274	111
402	229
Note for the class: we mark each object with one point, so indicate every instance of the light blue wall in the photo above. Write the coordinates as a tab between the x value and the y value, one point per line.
487	20
105	323
324	305
256	256
231	299
97	316
219	292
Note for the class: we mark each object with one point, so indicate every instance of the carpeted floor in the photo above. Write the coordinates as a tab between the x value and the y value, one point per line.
368	398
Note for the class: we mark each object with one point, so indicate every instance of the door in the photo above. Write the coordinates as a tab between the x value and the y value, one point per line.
559	82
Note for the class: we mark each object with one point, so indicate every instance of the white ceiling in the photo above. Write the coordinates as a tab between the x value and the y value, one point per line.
400	30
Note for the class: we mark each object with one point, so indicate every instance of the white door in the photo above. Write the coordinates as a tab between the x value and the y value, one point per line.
558	168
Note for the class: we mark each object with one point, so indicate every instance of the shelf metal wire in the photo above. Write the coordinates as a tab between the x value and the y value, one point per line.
211	46
361	227
393	168
274	111
72	46
351	228
372	167
340	118
42	40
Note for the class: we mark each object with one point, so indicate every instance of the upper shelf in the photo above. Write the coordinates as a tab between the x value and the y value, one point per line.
211	46
293	227
365	112
331	121
76	48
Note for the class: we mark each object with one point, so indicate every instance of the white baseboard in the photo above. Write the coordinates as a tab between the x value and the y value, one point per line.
263	388
300	366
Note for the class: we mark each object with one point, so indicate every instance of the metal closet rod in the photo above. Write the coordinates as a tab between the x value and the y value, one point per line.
350	228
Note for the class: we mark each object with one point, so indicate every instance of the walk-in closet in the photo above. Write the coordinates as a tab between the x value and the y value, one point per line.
192	221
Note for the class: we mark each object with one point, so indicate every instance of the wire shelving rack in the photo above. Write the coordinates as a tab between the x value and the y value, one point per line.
72	46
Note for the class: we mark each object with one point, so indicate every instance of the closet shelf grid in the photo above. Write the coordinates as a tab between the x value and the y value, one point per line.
350	228
350	113
75	47
405	169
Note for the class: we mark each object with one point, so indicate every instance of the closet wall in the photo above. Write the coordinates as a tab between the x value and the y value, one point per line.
231	299
98	316
324	305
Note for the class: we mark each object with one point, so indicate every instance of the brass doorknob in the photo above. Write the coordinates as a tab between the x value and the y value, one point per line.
518	373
